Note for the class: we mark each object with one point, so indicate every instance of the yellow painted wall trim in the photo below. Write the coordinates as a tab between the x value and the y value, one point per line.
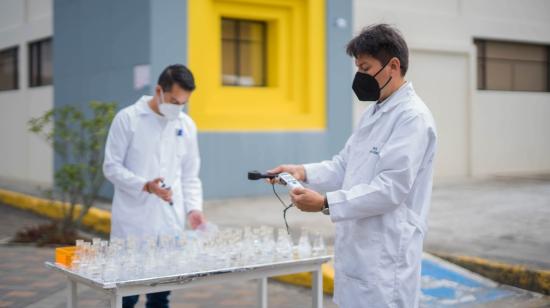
96	219
295	96
515	275
304	279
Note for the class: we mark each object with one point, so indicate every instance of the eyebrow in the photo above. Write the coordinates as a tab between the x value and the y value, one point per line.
175	101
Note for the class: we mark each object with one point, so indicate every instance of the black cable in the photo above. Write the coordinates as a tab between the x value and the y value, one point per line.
284	217
287	207
277	195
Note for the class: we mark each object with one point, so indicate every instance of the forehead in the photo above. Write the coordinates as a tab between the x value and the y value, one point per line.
366	59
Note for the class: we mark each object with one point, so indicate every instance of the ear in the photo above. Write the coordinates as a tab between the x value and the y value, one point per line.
395	64
157	90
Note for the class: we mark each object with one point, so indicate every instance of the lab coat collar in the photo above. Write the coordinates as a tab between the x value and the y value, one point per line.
143	107
388	104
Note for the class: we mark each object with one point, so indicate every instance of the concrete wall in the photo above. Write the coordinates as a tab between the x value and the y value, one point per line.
512	132
23	156
154	33
97	46
228	156
481	132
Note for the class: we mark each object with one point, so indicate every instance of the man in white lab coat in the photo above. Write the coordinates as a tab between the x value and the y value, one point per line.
378	188
152	159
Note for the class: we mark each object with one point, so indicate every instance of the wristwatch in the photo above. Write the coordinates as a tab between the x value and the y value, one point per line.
326	209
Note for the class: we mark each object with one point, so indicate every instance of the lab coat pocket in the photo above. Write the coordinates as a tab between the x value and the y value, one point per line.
361	165
407	242
364	284
370	166
410	246
410	259
351	292
370	156
353	288
364	259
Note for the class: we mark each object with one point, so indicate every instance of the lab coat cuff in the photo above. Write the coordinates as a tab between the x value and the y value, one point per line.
335	207
189	208
140	183
313	173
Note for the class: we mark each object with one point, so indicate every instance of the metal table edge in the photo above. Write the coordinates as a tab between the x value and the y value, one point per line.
185	276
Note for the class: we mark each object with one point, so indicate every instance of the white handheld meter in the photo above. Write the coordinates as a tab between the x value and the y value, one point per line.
286	179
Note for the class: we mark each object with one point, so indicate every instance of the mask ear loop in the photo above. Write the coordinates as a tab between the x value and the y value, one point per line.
389	79
383	66
386	83
161	96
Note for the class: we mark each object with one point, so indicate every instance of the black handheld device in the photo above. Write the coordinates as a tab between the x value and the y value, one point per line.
256	175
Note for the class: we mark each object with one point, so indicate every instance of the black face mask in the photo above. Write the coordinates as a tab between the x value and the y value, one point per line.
366	87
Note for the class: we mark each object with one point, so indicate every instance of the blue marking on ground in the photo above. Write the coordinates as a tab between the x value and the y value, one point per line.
442	283
435	270
443	292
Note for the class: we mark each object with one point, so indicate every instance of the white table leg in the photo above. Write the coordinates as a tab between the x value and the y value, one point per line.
116	300
71	294
262	292
317	288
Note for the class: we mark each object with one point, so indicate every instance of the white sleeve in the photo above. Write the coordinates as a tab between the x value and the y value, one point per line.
191	185
115	152
399	163
328	175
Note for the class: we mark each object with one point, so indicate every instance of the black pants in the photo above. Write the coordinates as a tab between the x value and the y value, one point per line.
154	300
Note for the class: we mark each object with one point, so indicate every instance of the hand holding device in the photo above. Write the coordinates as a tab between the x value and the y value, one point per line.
160	189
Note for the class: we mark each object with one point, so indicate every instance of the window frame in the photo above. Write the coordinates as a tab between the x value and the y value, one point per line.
238	41
39	82
15	50
481	64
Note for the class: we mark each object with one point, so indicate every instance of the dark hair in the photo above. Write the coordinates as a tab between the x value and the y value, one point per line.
176	74
382	42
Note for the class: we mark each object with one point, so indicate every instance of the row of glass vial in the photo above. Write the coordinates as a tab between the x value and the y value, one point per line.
191	252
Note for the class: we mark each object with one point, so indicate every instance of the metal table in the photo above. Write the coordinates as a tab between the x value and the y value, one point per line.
117	290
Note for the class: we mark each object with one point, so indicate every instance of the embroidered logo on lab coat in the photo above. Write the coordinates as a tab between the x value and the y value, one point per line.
375	151
179	132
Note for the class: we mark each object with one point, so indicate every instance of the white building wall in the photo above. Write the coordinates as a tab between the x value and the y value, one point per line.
24	156
481	132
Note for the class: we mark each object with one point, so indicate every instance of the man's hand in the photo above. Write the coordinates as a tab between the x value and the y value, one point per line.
155	188
297	171
307	200
195	218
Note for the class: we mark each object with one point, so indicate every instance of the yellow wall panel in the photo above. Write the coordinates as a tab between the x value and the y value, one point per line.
294	97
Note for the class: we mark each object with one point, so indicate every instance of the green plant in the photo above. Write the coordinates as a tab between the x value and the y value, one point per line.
78	141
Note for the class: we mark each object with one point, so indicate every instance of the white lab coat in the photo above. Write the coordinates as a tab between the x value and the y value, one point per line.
379	189
142	146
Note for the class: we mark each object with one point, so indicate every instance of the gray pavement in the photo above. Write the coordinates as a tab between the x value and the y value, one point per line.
26	282
503	218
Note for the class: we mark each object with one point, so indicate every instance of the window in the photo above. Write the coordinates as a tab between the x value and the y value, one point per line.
508	66
40	63
261	64
243	52
8	69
